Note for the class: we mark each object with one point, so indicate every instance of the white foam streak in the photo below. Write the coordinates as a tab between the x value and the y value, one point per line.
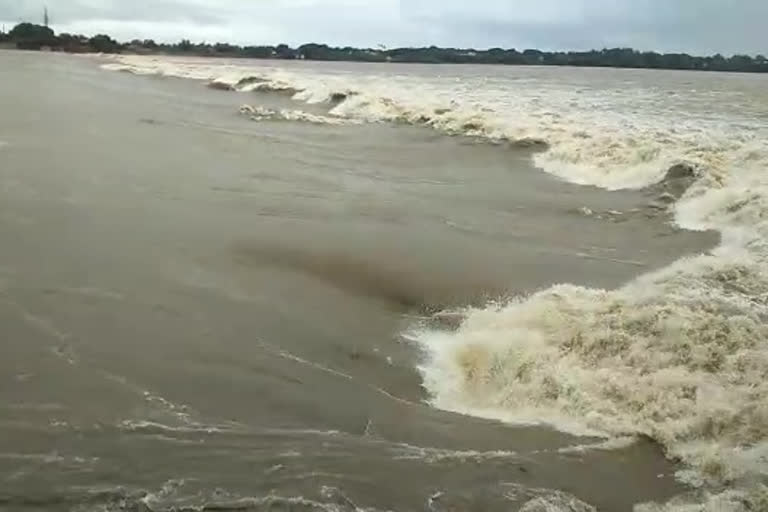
432	455
617	443
258	113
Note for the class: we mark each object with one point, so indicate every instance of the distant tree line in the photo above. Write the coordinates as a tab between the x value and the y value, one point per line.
35	37
28	36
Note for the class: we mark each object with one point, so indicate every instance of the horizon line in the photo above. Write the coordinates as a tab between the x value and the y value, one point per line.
381	47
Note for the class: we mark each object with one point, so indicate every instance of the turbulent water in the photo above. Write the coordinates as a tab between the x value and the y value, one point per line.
588	295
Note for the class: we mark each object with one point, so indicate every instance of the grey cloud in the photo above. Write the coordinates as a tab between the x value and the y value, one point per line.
69	11
682	25
696	26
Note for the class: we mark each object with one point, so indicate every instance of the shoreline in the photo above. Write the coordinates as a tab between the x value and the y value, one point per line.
399	62
29	36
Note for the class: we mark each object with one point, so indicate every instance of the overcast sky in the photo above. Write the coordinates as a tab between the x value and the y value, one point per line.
695	26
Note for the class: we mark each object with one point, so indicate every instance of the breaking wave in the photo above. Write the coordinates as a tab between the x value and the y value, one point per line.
259	113
609	135
680	354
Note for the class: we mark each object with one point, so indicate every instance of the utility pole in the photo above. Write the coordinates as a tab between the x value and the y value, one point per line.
45	16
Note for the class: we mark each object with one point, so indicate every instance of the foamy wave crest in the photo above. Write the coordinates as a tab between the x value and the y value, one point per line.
679	355
610	135
258	113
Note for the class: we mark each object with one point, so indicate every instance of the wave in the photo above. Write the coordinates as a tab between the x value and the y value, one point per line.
586	136
259	113
679	355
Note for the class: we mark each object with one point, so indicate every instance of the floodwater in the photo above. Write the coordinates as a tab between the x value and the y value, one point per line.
203	308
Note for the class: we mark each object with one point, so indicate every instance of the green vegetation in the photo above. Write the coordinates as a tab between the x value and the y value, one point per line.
36	37
31	37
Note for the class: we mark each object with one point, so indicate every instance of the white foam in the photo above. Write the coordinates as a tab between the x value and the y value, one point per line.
617	443
545	500
259	113
144	426
169	489
557	503
680	355
755	500
432	455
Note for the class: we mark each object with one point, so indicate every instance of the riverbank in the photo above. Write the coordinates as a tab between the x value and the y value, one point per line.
34	37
